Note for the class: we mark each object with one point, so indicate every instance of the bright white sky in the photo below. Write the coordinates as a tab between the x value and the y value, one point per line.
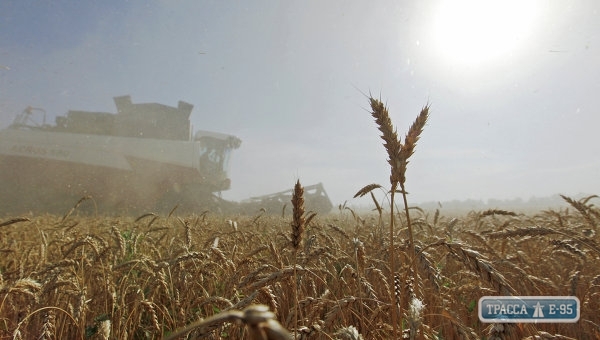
514	86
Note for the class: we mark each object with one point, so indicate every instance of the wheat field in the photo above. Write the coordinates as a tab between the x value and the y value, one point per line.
120	278
396	272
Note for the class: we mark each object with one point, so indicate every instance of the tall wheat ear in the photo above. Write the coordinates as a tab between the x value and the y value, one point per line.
398	155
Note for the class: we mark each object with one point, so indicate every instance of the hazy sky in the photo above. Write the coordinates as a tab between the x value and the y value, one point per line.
514	90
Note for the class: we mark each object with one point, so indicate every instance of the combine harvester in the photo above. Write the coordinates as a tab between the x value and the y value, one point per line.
142	159
315	199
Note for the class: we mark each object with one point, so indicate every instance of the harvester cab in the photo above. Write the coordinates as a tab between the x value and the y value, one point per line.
29	119
214	152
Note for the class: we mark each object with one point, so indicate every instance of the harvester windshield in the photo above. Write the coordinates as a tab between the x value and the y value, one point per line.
214	152
214	156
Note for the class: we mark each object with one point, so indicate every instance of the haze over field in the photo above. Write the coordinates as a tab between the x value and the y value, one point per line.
514	88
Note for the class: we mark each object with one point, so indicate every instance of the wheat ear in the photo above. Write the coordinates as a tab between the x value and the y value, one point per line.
298	221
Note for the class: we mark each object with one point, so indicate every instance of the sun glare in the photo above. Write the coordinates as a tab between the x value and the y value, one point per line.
478	32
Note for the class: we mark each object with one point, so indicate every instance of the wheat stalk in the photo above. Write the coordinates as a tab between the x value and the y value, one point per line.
14	220
81	200
298	223
398	156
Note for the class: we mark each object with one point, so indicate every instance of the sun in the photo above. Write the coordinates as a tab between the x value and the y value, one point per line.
478	32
